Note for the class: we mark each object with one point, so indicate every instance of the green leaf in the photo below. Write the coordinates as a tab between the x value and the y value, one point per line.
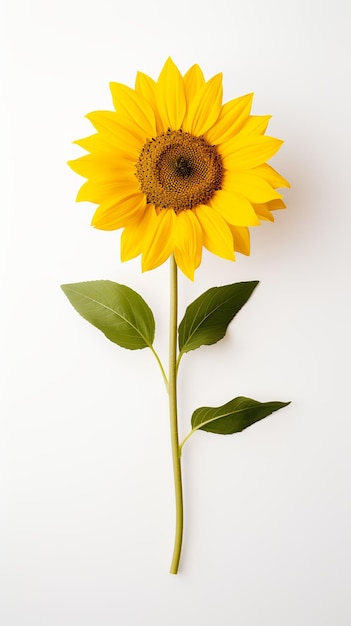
233	416
118	311
206	320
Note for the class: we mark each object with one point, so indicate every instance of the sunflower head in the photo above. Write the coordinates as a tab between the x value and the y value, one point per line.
178	170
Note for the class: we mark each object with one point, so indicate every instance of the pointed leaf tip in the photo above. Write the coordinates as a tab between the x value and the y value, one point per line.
234	416
118	311
206	320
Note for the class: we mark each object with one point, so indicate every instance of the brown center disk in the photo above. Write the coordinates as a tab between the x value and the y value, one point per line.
179	171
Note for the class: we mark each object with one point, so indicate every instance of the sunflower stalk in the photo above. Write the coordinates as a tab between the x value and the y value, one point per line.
179	171
172	389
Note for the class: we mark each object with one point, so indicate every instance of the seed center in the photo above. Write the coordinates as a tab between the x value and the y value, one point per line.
179	171
183	167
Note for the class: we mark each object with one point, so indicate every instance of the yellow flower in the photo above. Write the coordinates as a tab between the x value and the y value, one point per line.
179	170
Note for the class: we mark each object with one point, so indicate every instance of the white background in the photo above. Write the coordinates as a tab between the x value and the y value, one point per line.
87	511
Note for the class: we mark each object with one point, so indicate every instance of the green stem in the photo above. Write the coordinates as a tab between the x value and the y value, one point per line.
186	439
160	366
172	382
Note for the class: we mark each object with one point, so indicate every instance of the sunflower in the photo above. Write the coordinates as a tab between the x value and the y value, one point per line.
178	170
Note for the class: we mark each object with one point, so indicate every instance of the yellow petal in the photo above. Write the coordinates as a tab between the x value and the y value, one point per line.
193	81
249	185
97	191
147	87
274	205
158	239
110	216
129	137
216	234
171	100
97	143
271	176
130	243
100	188
241	238
234	208
132	235
248	152
187	243
263	212
133	106
255	125
231	119
205	107
103	167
